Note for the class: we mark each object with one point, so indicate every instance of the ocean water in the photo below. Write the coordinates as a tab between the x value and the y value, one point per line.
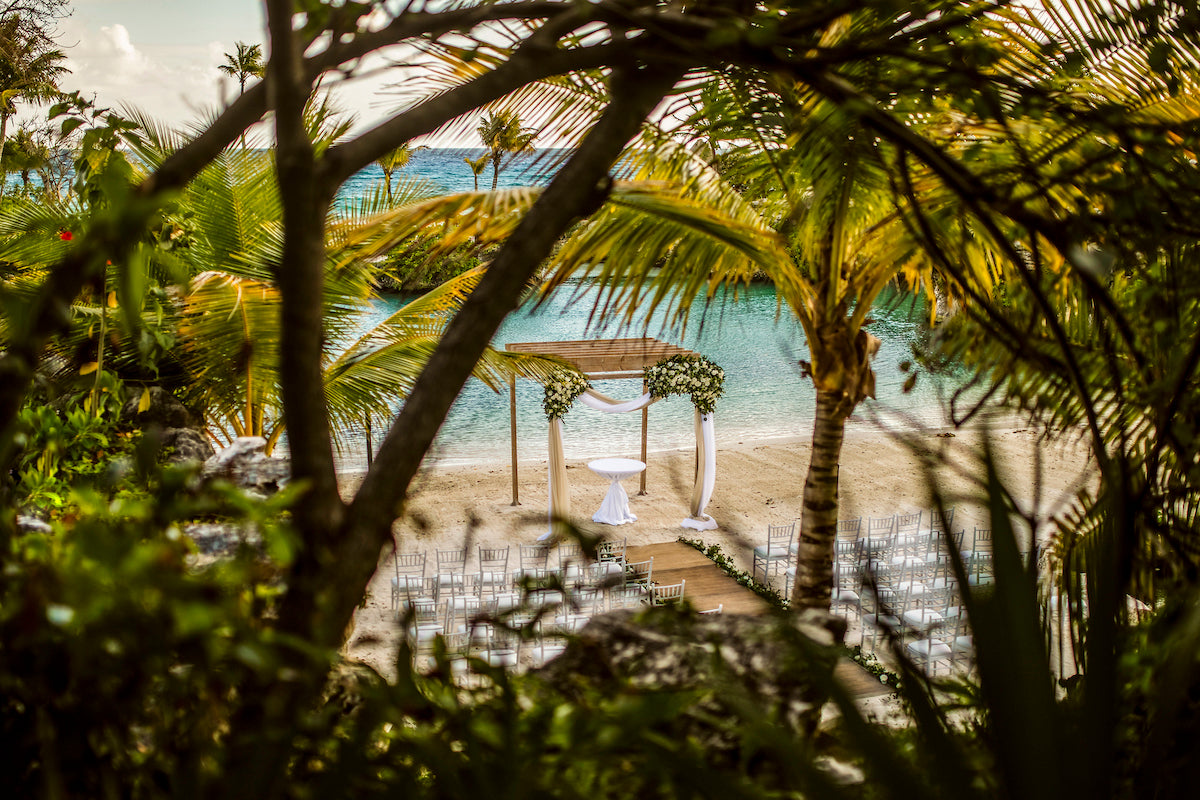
445	171
758	347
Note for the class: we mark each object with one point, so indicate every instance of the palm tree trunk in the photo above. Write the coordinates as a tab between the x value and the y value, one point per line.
818	523
3	134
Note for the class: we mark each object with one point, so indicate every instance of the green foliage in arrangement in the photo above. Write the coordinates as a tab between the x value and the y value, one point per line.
561	390
715	554
695	376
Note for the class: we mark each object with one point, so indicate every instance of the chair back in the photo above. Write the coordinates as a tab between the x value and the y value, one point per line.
493	559
452	560
779	537
847	551
663	595
612	550
570	553
410	564
849	528
638	573
909	523
879	527
625	597
981	536
534	556
720	607
941	520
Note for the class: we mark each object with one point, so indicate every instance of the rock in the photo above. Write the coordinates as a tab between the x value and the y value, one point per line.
244	463
165	410
219	539
186	444
773	668
27	524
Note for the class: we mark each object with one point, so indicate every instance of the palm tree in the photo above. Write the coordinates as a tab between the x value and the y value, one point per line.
815	217
24	154
29	70
392	161
246	63
224	327
502	133
477	166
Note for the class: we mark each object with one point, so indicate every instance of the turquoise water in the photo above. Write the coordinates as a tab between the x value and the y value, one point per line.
765	396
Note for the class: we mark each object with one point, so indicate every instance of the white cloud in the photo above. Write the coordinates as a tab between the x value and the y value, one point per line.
174	84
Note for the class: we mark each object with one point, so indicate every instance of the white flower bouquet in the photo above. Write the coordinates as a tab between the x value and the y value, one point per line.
690	375
561	391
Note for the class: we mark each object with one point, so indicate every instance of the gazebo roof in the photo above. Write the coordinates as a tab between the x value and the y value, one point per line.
608	358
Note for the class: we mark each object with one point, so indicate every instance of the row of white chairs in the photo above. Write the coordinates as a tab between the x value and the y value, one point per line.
880	532
491	572
895	577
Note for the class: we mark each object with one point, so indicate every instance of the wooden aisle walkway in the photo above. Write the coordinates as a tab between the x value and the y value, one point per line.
708	586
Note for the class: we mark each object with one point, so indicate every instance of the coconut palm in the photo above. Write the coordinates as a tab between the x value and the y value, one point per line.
820	223
224	324
501	133
244	64
392	161
806	201
478	165
29	70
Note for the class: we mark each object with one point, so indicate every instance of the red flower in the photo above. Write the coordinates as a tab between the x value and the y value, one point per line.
66	236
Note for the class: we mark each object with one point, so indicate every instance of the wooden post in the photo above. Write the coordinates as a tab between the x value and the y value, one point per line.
512	418
645	427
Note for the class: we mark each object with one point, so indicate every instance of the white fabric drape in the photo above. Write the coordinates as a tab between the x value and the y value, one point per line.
560	497
706	474
706	461
593	399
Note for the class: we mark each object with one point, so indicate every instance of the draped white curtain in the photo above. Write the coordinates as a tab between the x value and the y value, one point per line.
706	462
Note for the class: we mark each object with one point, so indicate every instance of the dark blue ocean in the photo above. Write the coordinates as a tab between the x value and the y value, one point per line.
759	350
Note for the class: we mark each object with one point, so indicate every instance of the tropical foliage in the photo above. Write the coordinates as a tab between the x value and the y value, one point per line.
30	67
127	668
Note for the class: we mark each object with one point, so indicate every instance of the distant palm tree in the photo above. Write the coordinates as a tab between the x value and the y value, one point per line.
246	63
395	160
478	165
502	133
28	71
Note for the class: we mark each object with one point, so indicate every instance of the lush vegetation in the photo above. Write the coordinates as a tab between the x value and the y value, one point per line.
832	148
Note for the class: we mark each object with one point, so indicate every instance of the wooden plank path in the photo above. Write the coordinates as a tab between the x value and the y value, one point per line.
708	587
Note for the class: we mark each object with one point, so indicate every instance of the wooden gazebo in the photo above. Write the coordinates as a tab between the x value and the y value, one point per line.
597	359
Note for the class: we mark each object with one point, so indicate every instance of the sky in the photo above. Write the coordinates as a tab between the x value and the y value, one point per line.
161	56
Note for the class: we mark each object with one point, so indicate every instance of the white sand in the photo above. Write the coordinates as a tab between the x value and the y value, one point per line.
757	484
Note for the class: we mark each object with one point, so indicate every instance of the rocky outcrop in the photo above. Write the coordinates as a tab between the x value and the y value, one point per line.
245	463
774	667
179	429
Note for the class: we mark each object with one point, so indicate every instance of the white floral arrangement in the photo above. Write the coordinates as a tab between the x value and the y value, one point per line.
691	375
561	390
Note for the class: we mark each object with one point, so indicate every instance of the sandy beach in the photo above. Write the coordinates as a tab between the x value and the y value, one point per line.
758	484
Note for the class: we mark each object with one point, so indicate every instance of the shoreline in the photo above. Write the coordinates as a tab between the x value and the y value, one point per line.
758	483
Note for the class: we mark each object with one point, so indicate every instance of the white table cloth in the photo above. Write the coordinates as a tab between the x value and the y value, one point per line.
615	508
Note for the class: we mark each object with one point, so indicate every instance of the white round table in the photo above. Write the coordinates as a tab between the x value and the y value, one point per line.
615	508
